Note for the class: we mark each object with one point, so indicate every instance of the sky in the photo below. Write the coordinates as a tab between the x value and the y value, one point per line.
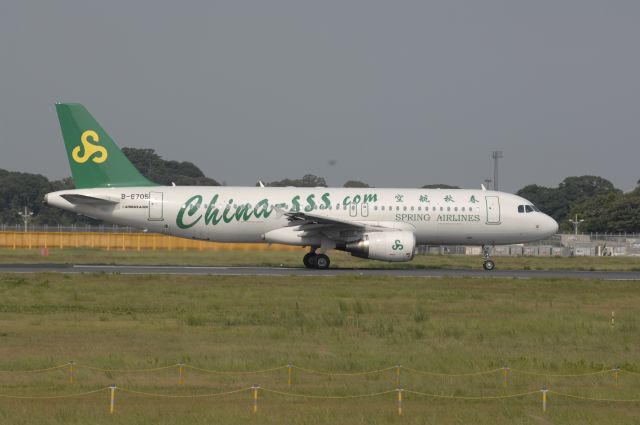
394	93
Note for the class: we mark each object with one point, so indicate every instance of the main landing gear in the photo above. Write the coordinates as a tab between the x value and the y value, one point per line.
316	261
486	255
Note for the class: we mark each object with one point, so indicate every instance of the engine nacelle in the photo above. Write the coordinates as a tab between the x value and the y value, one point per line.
385	246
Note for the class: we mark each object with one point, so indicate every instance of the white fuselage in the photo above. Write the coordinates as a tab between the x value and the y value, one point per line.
246	214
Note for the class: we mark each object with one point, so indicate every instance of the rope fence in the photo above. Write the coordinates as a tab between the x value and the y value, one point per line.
255	389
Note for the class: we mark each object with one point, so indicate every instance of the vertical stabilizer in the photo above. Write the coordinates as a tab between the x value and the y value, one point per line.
95	160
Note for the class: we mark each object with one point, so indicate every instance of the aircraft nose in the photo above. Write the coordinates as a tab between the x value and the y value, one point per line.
551	226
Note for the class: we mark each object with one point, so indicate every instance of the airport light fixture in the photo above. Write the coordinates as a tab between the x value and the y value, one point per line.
26	216
576	223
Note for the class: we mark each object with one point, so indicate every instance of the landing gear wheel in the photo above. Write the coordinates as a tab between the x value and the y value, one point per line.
486	255
488	265
322	261
309	260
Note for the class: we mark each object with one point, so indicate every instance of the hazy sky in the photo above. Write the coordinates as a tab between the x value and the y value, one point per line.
400	93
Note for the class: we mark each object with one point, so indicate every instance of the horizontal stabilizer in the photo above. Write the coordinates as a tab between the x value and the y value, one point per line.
87	200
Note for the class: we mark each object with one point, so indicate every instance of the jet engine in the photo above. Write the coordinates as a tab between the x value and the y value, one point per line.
385	246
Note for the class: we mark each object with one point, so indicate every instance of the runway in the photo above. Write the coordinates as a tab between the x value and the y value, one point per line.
285	271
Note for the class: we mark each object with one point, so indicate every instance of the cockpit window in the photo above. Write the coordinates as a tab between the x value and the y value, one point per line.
520	208
528	208
536	209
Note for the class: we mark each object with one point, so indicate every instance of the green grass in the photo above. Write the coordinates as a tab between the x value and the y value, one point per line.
343	324
294	259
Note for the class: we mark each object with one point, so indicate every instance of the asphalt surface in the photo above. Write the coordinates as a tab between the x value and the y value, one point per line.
284	271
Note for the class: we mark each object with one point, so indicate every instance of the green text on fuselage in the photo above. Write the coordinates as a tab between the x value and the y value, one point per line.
194	210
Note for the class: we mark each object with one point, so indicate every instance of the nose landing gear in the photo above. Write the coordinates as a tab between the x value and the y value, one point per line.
486	255
316	261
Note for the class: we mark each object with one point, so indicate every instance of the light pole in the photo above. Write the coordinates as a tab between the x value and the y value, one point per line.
496	155
26	217
576	223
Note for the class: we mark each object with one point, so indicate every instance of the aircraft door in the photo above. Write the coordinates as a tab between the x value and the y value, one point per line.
353	210
364	210
155	206
493	209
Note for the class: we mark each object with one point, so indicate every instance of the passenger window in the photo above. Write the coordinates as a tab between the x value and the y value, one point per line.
382	208
412	208
462	209
520	208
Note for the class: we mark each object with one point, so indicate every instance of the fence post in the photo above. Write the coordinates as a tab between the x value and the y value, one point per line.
616	372
112	399
613	319
506	374
289	367
180	373
398	374
71	375
544	399
255	398
399	401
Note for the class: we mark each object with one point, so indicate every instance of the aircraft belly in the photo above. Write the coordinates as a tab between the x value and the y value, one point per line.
453	233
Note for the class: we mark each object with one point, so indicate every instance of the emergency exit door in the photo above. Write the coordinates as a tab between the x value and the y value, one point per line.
493	209
155	206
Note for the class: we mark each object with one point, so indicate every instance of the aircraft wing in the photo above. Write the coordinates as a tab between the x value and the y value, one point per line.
340	230
310	219
87	200
315	222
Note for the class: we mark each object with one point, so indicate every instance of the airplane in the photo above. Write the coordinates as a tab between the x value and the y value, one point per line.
379	224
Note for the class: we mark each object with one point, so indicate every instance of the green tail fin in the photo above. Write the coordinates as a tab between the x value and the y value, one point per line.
96	161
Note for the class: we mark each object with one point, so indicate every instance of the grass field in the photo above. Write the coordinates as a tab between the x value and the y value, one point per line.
345	324
294	259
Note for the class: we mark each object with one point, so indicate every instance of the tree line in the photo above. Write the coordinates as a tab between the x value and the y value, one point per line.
602	206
